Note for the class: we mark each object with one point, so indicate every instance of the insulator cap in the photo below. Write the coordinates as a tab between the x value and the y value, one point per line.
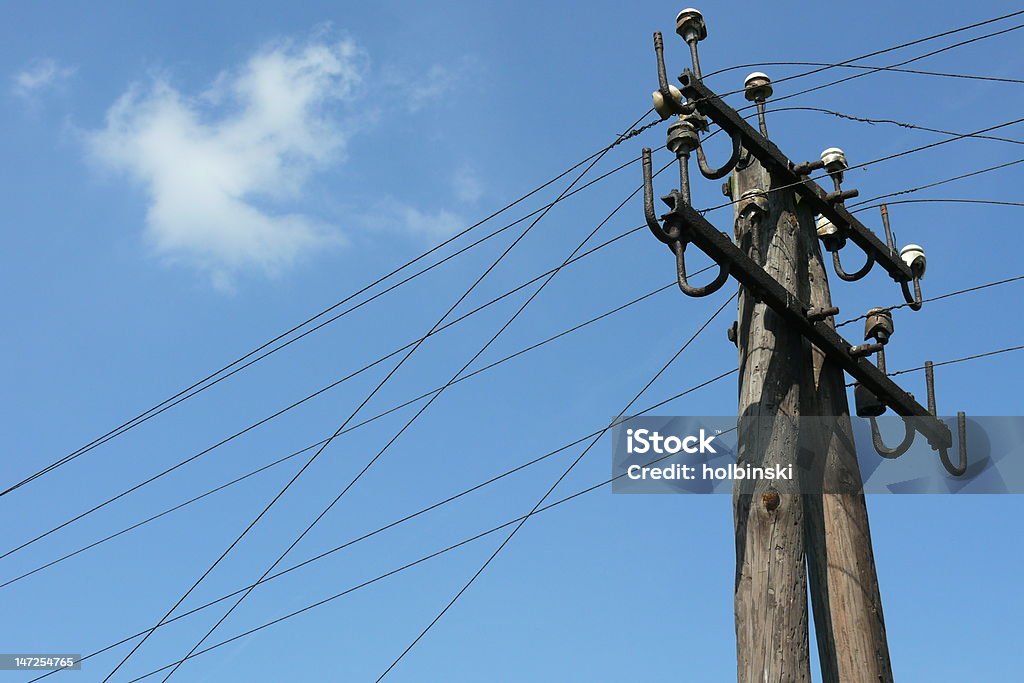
690	25
757	86
829	234
666	109
682	136
878	325
913	256
834	160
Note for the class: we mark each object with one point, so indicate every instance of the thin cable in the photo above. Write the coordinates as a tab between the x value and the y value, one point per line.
314	394
995	79
201	385
543	498
937	183
991	202
397	522
409	565
902	124
875	53
366	400
962	43
958	360
410	422
939	298
374	418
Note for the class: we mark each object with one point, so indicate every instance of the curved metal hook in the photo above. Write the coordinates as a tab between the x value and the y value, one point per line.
652	218
679	247
961	428
675	105
883	450
716	173
852	277
916	301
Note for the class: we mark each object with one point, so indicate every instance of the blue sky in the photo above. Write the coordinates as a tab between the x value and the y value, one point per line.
182	182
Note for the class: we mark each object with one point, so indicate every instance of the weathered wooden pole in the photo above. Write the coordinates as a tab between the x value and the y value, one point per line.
771	580
845	596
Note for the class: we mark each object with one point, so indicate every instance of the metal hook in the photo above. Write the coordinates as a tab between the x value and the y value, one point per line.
670	102
961	426
960	469
916	301
652	218
852	277
891	453
679	247
716	173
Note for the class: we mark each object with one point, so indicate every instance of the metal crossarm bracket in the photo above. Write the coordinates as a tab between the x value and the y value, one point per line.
752	276
772	158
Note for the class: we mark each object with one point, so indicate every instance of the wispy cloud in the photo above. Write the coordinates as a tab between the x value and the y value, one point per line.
40	75
222	167
466	185
429	87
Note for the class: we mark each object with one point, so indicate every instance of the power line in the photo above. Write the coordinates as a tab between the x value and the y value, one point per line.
948	295
352	415
205	383
991	202
404	519
944	181
411	420
894	48
865	67
519	525
902	124
891	66
369	396
959	360
466	541
316	393
374	418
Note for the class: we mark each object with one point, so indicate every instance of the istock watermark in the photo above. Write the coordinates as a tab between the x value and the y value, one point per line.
810	455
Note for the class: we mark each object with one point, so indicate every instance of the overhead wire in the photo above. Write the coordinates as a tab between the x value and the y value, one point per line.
550	490
958	360
377	416
994	79
940	297
202	384
655	406
369	396
315	393
418	413
420	512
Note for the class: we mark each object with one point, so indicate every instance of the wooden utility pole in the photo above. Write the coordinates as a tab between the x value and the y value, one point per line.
784	378
845	595
793	408
771	581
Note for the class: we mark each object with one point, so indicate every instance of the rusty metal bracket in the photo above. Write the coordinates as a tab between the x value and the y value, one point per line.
673	234
891	453
711	105
748	273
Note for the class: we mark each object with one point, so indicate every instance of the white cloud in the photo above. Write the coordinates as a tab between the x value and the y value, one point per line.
432	85
39	76
466	185
429	224
221	168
